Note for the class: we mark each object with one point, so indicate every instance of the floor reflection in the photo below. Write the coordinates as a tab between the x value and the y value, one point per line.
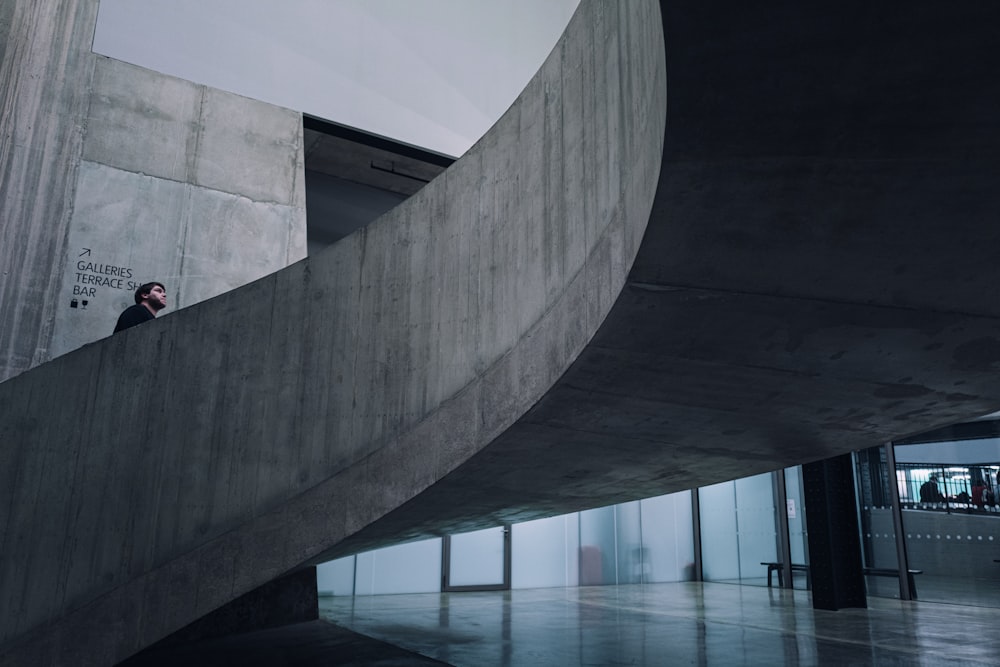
683	623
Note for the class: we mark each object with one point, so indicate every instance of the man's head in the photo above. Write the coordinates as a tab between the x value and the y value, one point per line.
152	295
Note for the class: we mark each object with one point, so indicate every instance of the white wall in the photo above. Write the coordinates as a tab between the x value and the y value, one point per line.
432	73
956	453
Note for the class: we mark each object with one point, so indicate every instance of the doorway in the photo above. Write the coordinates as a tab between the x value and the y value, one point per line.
476	561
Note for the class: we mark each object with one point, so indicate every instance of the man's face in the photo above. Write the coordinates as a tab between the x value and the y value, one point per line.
157	298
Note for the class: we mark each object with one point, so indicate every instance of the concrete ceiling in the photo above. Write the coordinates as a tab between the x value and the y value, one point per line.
353	177
819	273
384	168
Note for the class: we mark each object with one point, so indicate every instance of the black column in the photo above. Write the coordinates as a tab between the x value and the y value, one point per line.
835	565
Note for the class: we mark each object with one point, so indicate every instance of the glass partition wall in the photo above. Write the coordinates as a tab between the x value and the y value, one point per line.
951	519
795	514
879	550
748	529
476	561
941	495
645	541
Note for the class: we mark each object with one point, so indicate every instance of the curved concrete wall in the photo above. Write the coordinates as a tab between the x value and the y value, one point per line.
817	275
156	475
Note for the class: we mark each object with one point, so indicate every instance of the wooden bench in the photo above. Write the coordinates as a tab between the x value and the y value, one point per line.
892	572
779	568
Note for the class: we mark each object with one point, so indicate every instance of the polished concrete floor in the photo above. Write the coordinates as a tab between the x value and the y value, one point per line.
670	624
652	624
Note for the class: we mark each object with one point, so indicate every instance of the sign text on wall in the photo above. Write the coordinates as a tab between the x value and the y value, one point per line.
89	276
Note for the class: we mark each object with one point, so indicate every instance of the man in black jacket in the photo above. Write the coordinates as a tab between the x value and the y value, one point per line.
150	299
929	491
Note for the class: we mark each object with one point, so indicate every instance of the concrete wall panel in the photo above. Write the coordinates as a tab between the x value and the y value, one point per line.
184	132
158	179
230	241
160	116
250	148
44	77
124	232
129	228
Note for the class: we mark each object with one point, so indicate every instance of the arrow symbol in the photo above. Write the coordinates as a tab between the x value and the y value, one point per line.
86	251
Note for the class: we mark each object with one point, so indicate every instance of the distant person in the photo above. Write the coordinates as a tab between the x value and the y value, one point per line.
978	493
929	491
150	299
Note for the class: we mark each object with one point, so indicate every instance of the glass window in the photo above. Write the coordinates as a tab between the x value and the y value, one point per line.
795	511
544	552
633	561
756	514
407	568
951	522
598	553
738	531
719	542
878	536
477	557
336	577
668	537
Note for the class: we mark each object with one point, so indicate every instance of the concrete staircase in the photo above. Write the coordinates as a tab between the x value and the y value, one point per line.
150	478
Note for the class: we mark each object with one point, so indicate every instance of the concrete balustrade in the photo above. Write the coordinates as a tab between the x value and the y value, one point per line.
149	478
